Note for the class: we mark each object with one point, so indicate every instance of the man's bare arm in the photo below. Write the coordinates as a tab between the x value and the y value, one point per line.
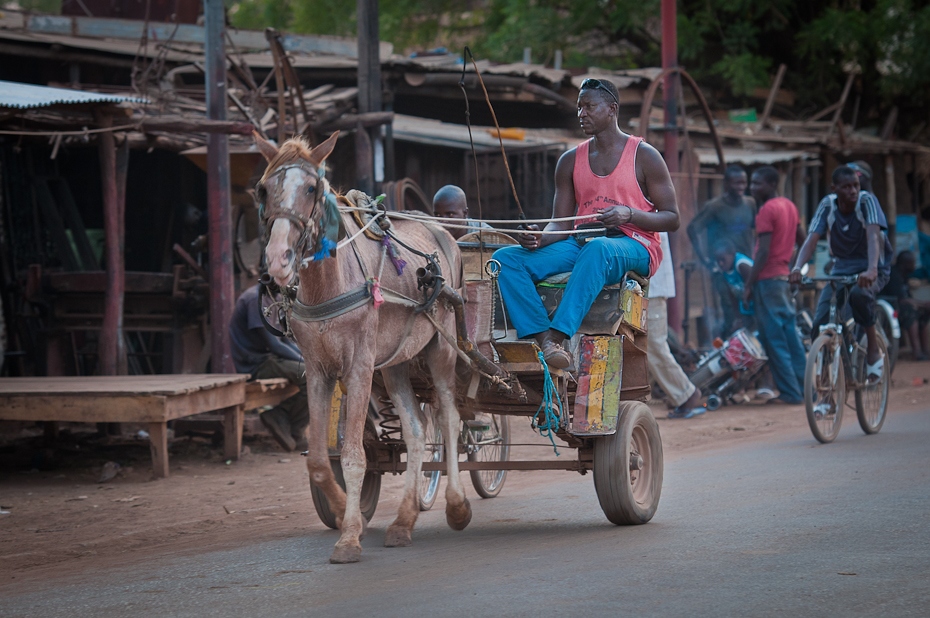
759	261
807	250
873	235
696	230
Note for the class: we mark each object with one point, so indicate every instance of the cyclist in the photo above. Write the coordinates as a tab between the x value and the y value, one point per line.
855	226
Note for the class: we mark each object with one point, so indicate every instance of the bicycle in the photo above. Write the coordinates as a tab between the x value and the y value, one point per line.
836	365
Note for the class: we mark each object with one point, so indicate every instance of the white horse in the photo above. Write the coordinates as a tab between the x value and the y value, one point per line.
351	346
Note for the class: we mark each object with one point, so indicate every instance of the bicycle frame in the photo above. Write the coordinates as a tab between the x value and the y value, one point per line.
842	332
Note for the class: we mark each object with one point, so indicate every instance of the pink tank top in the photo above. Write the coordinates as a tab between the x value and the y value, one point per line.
620	188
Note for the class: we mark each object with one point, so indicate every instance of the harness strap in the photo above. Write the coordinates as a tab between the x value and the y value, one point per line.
333	307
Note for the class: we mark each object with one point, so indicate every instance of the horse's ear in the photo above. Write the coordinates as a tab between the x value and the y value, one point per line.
320	152
268	150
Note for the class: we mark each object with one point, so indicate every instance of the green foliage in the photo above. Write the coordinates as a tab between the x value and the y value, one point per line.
49	7
731	46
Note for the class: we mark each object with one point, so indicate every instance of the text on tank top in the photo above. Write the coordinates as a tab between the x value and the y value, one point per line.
619	188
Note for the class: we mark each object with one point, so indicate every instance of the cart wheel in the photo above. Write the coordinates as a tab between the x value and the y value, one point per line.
429	484
487	438
371	485
714	402
628	466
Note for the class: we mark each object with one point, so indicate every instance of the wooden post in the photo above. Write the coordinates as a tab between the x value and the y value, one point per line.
158	444
669	15
770	101
110	344
369	87
222	292
232	432
891	199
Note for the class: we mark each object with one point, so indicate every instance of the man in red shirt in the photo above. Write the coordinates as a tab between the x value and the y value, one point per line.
778	232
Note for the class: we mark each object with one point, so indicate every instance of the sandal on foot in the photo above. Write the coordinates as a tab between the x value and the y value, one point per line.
556	356
686	412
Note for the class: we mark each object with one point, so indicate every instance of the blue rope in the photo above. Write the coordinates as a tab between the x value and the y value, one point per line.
550	416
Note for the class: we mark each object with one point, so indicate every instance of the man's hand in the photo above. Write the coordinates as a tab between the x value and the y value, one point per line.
867	278
747	294
528	240
794	277
614	216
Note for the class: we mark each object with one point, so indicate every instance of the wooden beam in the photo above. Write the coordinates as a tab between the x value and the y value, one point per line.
179	124
770	101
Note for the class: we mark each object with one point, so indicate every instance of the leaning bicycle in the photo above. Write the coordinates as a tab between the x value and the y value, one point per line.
836	366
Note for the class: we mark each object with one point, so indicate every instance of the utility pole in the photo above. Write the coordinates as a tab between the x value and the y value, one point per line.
670	105
369	147
219	219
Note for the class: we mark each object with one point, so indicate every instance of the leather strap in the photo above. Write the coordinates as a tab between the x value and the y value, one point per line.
333	307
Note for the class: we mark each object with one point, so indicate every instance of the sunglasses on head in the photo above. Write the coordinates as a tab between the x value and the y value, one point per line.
596	84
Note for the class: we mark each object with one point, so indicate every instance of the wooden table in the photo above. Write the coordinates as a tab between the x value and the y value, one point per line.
152	399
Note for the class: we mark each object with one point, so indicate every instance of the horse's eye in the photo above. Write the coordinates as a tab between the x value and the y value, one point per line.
311	189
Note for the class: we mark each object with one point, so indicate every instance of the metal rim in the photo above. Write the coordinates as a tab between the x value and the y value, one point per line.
641	465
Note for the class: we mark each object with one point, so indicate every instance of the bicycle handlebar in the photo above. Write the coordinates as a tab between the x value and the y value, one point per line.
844	279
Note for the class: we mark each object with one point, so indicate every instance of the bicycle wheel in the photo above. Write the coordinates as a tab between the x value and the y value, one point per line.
872	399
429	484
488	439
825	387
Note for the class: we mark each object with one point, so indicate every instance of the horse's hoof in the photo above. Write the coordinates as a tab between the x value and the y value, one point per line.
458	517
398	537
345	554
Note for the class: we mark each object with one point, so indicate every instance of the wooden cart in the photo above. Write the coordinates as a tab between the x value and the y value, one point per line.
601	414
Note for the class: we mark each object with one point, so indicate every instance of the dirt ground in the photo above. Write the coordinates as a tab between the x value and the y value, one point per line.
61	521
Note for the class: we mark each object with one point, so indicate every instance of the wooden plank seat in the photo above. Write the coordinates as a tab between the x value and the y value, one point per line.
258	394
150	399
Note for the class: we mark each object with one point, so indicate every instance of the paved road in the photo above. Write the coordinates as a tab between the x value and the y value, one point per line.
786	527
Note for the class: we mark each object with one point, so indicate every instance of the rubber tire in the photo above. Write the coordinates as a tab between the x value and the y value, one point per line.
713	402
371	487
867	426
493	489
429	484
892	345
809	394
624	501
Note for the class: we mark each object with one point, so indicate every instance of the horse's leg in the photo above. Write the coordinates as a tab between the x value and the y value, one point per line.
441	359
319	395
397	381
358	386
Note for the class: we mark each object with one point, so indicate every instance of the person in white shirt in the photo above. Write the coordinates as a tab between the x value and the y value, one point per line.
681	393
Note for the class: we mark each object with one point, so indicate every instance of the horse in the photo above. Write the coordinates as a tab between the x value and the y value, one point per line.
352	345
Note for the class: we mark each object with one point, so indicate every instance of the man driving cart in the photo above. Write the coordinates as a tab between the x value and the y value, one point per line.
614	181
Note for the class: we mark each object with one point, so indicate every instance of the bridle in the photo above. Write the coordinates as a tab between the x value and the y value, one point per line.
267	215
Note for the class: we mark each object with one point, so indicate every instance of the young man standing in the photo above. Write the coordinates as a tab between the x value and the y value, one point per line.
854	224
730	216
613	180
778	229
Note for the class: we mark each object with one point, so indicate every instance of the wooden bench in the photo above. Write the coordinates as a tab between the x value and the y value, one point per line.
152	399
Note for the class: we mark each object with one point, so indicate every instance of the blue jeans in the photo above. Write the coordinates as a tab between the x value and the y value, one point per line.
776	318
599	262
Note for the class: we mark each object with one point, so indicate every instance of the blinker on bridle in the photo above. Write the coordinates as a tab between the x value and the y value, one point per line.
266	215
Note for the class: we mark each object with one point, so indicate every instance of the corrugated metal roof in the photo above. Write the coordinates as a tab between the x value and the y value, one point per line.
436	133
28	96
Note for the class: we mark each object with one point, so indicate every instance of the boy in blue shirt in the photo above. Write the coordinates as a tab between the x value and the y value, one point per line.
734	269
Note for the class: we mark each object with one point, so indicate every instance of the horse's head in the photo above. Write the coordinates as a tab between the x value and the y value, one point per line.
291	197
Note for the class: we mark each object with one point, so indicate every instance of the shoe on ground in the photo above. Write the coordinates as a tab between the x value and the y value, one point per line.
765	393
556	356
275	421
784	402
679	413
